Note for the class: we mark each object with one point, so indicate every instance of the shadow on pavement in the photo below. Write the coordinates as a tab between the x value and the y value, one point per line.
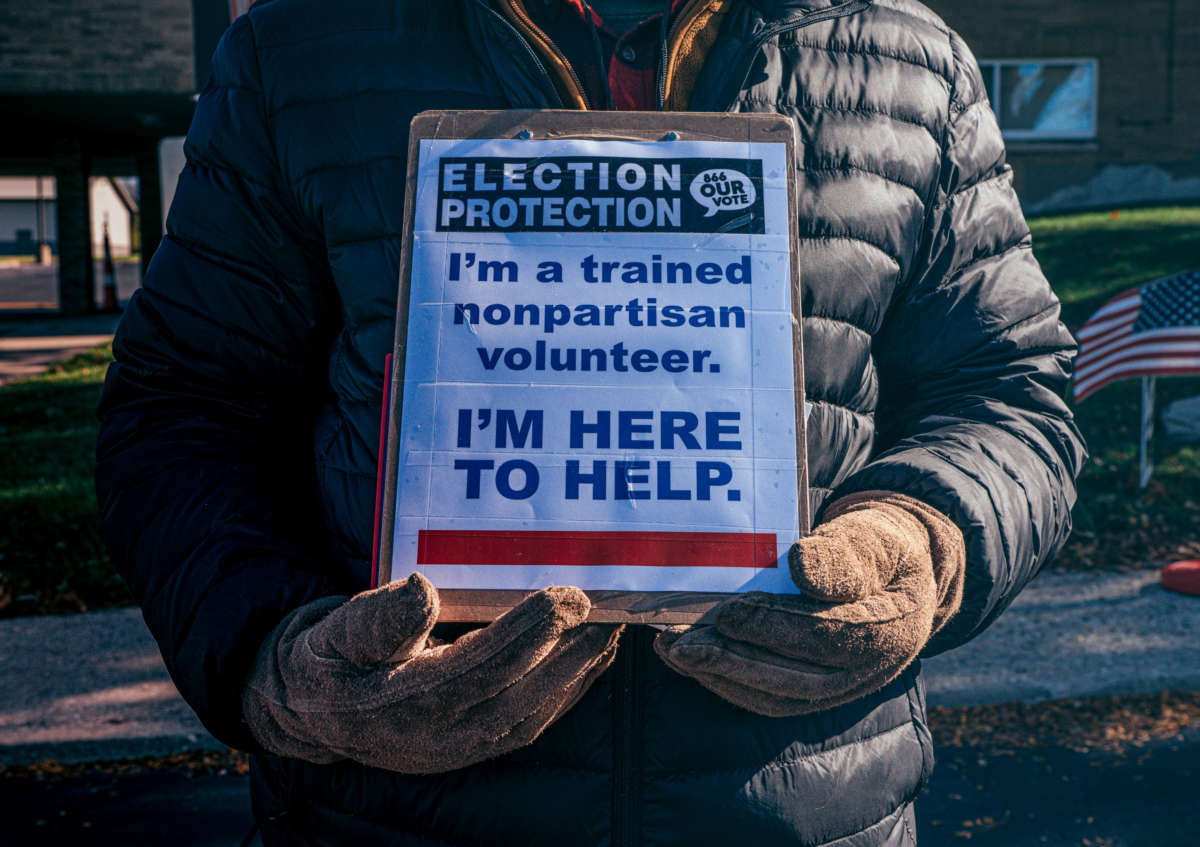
148	808
996	797
979	795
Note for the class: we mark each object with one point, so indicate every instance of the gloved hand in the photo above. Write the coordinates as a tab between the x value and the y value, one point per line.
880	576
359	679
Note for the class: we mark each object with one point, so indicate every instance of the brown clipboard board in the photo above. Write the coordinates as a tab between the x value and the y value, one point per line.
644	607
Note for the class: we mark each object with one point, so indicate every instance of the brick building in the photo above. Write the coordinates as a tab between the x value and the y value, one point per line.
1099	101
87	89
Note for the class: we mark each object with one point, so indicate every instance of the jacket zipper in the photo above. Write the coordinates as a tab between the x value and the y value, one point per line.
686	15
660	78
519	11
627	736
529	51
842	10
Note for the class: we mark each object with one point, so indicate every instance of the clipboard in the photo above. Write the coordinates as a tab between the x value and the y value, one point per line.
619	195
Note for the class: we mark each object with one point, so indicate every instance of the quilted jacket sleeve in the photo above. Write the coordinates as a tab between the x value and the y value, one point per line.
205	441
973	364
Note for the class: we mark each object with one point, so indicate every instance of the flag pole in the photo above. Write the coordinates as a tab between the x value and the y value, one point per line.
1145	462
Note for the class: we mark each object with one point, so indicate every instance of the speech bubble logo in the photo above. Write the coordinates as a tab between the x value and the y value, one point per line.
723	190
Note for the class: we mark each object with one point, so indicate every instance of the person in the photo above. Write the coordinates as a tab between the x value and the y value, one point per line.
237	452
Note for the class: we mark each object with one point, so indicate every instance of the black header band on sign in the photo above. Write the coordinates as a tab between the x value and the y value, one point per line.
599	194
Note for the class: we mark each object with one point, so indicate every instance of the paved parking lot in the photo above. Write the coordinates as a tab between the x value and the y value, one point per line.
30	286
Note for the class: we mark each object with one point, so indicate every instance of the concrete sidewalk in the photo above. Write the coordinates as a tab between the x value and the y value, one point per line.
91	686
31	343
33	336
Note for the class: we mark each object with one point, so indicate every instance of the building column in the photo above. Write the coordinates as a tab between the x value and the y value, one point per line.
76	271
45	256
150	216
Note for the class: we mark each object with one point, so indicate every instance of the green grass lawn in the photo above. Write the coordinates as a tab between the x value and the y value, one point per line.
51	557
1089	258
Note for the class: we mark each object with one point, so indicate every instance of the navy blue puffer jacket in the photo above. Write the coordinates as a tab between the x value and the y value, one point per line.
239	423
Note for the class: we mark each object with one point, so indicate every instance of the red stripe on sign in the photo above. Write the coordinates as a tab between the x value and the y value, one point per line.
632	549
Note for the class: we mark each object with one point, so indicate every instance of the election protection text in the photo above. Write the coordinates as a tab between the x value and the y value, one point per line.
599	194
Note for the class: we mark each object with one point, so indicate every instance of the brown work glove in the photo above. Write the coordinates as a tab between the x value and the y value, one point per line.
880	576
359	679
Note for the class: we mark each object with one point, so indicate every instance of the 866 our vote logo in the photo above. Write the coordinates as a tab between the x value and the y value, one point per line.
723	190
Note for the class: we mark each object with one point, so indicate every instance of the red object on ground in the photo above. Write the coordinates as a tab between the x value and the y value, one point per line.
1183	577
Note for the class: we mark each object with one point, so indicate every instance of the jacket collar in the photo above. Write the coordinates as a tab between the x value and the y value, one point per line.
782	10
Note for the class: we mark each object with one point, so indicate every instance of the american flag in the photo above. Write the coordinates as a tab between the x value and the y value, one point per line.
1151	330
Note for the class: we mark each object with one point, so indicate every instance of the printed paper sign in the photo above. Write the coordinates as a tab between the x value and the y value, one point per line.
598	381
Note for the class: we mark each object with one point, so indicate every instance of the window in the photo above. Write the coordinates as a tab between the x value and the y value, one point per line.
1043	99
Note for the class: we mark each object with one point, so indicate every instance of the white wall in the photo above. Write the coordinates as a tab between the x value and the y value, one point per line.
19	211
107	205
22	214
171	161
